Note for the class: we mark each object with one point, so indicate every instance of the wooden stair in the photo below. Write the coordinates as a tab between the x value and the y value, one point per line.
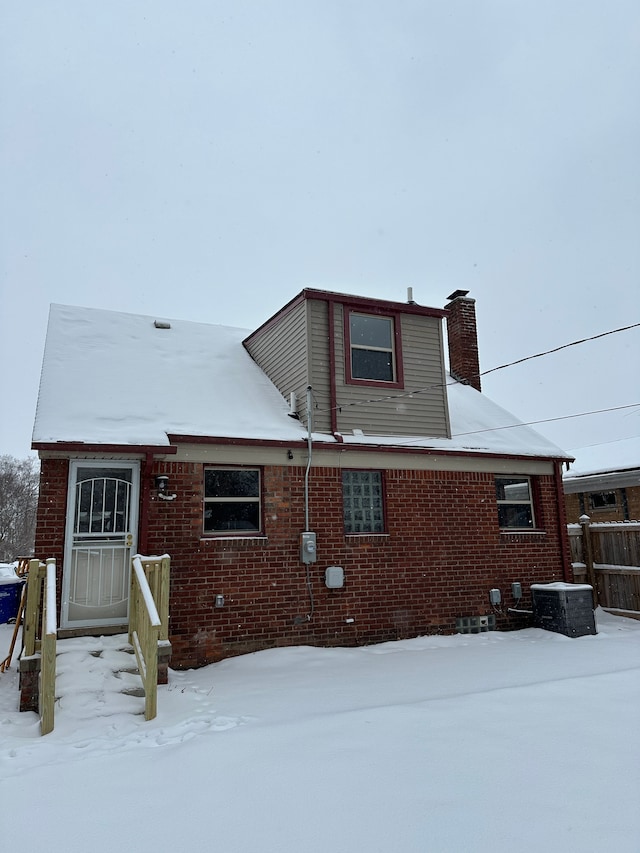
97	676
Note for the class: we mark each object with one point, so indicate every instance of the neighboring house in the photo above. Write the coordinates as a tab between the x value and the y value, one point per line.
394	513
604	482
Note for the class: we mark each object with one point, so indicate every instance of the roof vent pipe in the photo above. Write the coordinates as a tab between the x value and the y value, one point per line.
293	405
410	296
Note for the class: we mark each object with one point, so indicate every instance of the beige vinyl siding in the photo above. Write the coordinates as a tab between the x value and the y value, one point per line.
294	352
391	411
319	364
280	350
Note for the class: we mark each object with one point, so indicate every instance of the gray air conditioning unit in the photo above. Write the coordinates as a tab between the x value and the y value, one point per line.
566	608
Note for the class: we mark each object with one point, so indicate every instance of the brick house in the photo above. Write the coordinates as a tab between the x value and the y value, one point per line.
604	482
324	479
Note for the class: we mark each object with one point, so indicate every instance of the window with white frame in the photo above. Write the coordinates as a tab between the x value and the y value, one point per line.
515	503
363	504
232	500
372	354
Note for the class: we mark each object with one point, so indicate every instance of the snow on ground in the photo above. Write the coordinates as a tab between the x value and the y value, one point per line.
513	742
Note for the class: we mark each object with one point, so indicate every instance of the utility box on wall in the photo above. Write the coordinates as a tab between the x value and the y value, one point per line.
566	608
334	577
308	551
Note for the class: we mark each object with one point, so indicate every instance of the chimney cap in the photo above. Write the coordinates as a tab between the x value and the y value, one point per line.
457	294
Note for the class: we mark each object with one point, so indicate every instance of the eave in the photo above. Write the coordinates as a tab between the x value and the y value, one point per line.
601	482
361	447
360	302
83	447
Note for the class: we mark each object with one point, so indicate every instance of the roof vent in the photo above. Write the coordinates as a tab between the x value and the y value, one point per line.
162	324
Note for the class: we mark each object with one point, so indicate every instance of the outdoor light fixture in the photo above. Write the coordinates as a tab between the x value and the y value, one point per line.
162	483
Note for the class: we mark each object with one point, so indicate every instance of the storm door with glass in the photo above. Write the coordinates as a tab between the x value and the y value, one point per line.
101	537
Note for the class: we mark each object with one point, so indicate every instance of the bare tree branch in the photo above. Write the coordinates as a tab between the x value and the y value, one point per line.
19	481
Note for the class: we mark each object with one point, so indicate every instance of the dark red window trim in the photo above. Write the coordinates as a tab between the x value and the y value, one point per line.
397	344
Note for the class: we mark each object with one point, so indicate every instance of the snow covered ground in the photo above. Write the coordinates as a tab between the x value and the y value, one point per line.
498	742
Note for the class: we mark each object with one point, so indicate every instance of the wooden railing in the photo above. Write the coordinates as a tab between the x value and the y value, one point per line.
149	621
38	658
607	555
48	637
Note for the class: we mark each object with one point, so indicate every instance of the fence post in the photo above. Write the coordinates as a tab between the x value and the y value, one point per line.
587	553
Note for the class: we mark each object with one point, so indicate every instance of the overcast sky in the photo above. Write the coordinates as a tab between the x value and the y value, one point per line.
208	159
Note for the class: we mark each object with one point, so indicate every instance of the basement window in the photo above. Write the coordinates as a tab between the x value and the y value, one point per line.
515	503
232	500
362	501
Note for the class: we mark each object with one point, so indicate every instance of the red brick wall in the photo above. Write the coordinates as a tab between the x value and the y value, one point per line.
52	513
462	336
415	580
631	494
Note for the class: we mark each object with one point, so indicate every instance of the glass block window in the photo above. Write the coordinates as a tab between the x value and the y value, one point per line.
231	500
362	502
515	502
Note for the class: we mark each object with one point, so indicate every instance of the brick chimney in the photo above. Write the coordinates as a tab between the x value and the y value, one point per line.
463	339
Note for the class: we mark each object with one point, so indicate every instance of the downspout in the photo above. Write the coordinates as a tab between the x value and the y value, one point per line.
145	498
309	454
567	569
306	501
333	410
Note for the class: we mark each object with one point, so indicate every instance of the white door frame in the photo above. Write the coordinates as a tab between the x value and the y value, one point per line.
100	537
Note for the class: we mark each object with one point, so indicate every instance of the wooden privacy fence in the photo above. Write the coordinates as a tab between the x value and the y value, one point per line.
39	636
607	555
149	621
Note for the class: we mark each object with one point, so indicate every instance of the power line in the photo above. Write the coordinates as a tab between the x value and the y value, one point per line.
436	385
557	349
527	423
548	420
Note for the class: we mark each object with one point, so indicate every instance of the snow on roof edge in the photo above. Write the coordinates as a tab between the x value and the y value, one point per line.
228	395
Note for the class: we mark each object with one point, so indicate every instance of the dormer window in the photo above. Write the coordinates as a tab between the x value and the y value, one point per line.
372	349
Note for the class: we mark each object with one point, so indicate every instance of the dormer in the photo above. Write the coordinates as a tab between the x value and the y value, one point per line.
374	366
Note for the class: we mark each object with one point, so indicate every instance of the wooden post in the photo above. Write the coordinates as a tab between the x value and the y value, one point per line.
162	602
164	646
587	553
133	604
32	611
47	691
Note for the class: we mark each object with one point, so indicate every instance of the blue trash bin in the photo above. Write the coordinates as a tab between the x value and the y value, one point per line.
10	592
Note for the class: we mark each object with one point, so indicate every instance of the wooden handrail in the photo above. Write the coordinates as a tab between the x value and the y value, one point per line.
148	620
48	634
145	591
39	637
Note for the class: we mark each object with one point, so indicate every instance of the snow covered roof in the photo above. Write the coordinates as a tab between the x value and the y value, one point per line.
612	457
114	378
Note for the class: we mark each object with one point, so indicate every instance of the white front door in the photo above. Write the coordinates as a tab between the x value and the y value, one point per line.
102	523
